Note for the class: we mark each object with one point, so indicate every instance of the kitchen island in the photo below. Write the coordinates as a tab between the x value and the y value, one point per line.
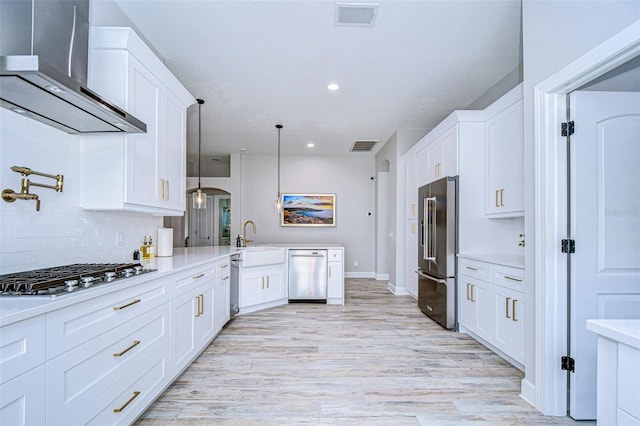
618	383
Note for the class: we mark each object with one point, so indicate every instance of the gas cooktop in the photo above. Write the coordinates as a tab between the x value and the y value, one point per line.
62	280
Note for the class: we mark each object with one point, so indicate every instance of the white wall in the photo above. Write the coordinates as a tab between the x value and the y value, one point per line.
347	176
60	233
556	33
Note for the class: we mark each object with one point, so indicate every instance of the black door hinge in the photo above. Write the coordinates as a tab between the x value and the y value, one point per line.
568	364
567	128
568	246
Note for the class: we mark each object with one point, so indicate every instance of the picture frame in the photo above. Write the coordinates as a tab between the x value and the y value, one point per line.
308	210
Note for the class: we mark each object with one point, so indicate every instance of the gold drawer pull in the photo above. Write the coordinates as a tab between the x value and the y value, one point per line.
473	298
513	309
119	410
470	268
226	265
117	308
225	278
197	276
497	203
512	279
506	307
135	343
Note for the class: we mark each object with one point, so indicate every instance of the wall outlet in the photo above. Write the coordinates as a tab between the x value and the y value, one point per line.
120	238
355	263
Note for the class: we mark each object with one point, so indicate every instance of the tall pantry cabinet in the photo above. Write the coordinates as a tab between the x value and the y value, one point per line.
142	172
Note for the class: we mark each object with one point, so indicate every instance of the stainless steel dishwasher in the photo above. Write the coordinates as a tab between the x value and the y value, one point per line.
308	276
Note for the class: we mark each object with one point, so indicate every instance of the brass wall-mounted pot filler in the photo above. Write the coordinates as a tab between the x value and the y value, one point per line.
10	195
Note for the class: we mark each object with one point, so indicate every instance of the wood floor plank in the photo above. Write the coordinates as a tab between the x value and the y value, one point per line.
377	360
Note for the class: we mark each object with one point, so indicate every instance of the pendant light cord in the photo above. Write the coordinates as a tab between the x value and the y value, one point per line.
279	127
200	102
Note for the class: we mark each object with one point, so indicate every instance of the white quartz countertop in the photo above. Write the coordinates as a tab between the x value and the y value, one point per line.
17	308
303	245
623	331
513	260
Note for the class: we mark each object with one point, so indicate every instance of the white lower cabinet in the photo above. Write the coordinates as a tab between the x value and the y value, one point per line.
509	314
22	399
260	287
491	306
192	314
335	277
221	295
92	373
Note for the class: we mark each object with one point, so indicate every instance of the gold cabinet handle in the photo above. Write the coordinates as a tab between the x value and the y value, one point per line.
502	197
167	189
202	304
117	308
470	268
162	188
468	298
267	281
507	277
513	309
197	276
262	280
197	306
135	395
473	298
506	307
135	343
226	265
497	204
226	277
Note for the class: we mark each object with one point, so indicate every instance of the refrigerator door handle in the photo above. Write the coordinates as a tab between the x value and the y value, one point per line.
423	275
429	237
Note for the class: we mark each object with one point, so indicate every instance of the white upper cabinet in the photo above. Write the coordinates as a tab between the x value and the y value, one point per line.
142	172
504	161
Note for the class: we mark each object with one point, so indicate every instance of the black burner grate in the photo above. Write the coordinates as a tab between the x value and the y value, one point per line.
33	282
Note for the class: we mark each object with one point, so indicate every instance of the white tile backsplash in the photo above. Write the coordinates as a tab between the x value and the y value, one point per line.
60	233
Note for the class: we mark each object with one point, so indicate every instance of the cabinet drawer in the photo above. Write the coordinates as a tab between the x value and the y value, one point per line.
78	377
22	347
473	268
22	399
334	255
223	268
72	326
507	276
123	403
193	277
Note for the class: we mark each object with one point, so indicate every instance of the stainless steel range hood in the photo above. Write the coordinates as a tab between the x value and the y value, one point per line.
44	49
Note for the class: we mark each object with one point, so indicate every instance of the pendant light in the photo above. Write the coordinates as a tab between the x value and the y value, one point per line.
278	200
199	199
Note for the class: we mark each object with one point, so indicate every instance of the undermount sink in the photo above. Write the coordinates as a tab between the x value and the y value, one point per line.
261	256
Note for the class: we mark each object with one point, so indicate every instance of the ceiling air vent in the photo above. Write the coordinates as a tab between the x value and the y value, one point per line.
358	14
362	146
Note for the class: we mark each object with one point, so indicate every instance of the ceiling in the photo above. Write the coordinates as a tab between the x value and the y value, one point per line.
259	63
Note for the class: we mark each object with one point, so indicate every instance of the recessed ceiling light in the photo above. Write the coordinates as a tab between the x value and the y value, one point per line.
333	86
311	145
243	149
18	110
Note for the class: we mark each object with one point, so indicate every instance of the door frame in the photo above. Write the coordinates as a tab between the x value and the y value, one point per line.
550	211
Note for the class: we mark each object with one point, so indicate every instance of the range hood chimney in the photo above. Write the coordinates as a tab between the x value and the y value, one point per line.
44	50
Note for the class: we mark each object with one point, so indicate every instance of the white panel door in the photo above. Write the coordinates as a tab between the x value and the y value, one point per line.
605	223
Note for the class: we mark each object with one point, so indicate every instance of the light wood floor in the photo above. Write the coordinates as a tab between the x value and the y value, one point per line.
377	360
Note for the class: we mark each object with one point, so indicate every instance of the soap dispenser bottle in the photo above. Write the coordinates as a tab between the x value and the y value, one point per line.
144	249
151	249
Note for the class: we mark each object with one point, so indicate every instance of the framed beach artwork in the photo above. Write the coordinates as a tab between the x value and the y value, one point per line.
308	210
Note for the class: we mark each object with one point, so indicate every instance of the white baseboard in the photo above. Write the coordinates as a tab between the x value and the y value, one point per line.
382	277
528	391
359	275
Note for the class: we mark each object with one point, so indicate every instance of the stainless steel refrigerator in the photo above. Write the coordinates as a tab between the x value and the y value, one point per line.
438	246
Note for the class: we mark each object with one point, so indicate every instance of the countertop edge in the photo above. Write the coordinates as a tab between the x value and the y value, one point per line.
512	260
626	332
